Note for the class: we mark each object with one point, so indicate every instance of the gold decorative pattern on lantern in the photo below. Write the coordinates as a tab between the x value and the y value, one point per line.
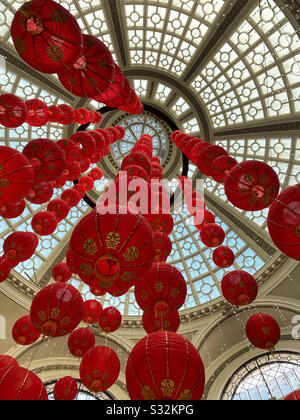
147	393
131	254
127	277
266	330
4	183
90	247
167	387
101	63
186	395
86	269
54	313
112	240
55	53
175	292
248	178
59	16
65	321
159	286
42	316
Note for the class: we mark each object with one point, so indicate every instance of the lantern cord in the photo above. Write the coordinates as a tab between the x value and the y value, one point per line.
35	352
264	379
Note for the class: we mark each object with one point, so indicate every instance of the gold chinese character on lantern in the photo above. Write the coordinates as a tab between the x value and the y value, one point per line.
127	277
113	240
131	254
90	247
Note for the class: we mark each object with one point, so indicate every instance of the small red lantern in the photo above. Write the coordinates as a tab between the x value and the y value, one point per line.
38	114
81	341
212	235
7	361
13	111
197	149
87	182
61	273
163	289
65	389
73	171
98	117
44	223
46	35
164	322
293	396
5	268
99	140
87	142
24	333
68	114
71	197
221	167
59	209
82	116
93	71
97	290
263	332
284	222
57	310
54	113
96	174
40	193
16	176
92	311
223	257
20	246
163	246
47	159
11	211
110	320
80	189
99	369
208	218
19	384
207	156
165	366
85	165
70	149
161	222
138	159
252	185
59	182
239	288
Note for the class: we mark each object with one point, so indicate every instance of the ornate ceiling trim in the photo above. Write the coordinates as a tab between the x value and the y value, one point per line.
117	25
259	129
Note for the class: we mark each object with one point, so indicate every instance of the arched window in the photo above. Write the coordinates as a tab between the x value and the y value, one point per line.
82	395
265	378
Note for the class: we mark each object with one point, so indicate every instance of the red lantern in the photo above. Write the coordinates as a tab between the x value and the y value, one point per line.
252	186
98	117
73	171
80	189
99	369
263	332
96	174
117	93
165	366
163	289
20	246
164	322
13	111
54	113
239	288
112	248
24	333
59	208
87	142
138	159
70	149
97	290
5	268
92	311
19	384
65	389
57	310
197	149
40	193
47	159
61	273
163	246
16	177
99	140
221	167
212	235
87	182
82	116
93	71
223	257
68	114
81	341
46	35
110	320
38	114
85	165
59	183
11	211
161	222
7	361
71	197
207	156
44	223
208	218
294	396
284	222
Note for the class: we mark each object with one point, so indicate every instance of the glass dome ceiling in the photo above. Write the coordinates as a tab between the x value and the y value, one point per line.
228	72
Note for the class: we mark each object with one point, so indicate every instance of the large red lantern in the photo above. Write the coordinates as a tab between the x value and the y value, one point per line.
47	159
92	311
223	257
7	361
163	246
61	273
117	93
93	71
110	320
212	235
59	208
46	35
13	111
19	384
99	369
65	389
57	310
24	333
112	248
284	222
38	114
293	396
5	268
239	288
81	341
71	197
11	211
163	289
207	156
252	185
16	176
20	246
44	223
40	193
68	114
221	167
165	366
263	332
164	322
